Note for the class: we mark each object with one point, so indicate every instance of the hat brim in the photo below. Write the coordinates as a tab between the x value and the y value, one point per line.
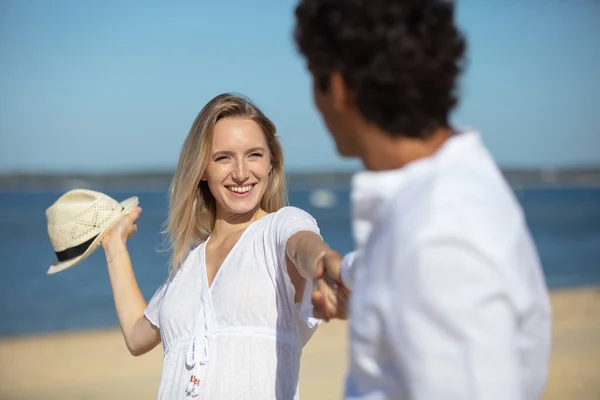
58	266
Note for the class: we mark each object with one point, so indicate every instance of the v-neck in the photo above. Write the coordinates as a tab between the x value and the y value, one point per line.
225	260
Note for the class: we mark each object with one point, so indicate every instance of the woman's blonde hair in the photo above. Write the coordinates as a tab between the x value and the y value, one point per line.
192	207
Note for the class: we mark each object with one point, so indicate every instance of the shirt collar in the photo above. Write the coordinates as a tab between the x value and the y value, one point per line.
371	190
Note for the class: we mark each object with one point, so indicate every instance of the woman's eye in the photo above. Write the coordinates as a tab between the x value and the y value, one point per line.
221	158
256	155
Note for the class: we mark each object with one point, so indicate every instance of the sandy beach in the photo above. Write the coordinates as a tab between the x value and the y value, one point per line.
96	365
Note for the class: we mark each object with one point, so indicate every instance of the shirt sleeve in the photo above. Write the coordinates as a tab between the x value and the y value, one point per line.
348	269
152	311
446	329
291	220
307	323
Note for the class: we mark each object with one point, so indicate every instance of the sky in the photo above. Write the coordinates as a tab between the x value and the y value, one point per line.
114	86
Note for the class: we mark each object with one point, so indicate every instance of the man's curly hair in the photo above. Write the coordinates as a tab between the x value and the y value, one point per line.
402	58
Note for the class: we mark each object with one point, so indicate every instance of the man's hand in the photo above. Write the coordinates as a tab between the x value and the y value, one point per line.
330	297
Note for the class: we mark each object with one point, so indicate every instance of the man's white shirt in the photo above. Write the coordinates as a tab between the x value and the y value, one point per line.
448	296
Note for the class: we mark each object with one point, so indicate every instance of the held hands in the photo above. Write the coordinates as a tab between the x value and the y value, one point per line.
330	297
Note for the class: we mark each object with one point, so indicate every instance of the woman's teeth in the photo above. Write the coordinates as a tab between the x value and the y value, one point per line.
240	189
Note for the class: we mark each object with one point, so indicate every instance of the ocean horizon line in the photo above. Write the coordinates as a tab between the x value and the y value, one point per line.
516	177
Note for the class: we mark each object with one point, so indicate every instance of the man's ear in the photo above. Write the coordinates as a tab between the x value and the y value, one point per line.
340	93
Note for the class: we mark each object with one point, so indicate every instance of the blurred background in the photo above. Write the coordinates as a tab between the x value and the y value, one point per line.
101	95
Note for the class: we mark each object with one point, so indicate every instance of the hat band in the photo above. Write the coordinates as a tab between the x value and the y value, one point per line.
75	251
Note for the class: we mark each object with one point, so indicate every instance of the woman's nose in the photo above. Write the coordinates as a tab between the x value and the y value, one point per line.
241	172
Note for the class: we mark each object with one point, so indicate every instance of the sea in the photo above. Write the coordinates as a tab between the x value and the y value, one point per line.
564	221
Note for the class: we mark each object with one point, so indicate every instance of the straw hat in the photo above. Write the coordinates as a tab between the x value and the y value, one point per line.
78	220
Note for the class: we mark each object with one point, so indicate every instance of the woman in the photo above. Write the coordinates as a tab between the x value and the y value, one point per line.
235	311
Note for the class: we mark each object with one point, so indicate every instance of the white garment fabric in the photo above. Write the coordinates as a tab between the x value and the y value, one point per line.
449	297
243	336
347	270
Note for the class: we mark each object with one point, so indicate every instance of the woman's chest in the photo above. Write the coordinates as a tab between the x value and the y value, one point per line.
243	292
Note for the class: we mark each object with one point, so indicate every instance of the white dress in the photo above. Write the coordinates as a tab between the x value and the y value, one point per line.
242	337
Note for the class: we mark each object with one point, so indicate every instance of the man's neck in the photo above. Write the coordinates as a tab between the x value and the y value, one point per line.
381	151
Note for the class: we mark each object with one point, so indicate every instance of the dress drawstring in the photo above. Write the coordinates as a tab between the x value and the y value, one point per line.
198	351
197	357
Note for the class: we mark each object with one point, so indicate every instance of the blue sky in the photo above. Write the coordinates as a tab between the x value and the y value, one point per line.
115	85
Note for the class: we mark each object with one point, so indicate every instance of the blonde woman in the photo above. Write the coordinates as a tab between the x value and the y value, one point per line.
235	312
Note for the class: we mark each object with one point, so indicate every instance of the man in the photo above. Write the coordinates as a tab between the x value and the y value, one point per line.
448	297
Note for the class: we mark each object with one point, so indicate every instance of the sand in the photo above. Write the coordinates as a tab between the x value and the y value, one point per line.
96	365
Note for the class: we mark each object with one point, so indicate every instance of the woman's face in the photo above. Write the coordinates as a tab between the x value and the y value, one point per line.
238	168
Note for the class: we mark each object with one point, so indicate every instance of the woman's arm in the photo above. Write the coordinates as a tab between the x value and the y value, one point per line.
309	257
305	249
140	335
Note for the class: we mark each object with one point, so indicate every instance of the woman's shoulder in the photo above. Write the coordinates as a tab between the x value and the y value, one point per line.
291	212
191	259
289	219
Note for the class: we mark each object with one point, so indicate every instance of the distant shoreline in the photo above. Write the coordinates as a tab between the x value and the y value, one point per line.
161	179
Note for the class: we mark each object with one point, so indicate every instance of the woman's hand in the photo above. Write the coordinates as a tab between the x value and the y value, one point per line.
120	233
